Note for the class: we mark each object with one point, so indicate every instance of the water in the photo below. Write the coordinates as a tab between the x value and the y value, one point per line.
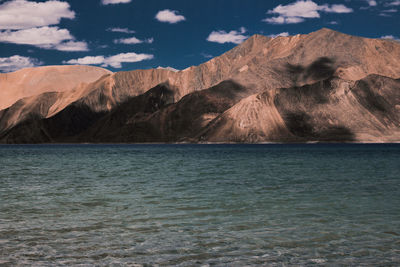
200	205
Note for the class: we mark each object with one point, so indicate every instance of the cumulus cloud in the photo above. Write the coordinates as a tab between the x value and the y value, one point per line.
44	37
133	40
88	60
372	2
13	63
282	34
299	11
336	9
123	30
113	61
27	22
111	2
222	37
169	16
22	14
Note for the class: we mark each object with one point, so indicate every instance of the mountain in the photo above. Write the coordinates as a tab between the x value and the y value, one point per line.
29	91
34	81
322	86
334	109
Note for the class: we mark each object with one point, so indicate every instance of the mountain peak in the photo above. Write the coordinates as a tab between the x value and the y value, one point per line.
324	29
253	41
327	31
257	38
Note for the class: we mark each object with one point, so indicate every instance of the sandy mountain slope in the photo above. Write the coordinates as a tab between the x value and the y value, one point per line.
34	81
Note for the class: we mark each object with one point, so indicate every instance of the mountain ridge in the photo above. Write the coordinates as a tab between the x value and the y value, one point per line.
260	65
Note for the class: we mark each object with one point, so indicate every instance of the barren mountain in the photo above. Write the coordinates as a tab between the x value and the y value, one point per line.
34	81
297	88
367	110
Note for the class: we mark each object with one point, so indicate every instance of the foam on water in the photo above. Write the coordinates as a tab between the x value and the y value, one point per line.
200	205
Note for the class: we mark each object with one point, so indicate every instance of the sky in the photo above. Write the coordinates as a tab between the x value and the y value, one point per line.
122	35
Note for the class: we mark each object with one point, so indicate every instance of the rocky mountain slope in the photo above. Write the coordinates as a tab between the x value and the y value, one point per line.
323	86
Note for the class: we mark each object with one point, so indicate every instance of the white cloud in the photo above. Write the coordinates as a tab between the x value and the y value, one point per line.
13	63
170	16
392	10
96	60
205	55
108	2
283	20
22	14
282	34
44	37
394	3
123	30
299	11
372	2
333	22
390	37
222	37
72	46
167	68
113	61
336	9
133	40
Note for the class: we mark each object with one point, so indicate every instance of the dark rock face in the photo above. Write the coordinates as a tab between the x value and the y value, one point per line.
77	118
321	87
116	126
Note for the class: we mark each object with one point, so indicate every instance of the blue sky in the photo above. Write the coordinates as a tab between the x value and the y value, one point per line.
139	34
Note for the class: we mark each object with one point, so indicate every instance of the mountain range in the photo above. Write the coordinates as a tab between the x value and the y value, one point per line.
325	86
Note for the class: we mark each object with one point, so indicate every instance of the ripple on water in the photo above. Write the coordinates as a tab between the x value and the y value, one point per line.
223	205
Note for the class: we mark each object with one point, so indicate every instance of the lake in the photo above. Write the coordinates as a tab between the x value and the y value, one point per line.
200	205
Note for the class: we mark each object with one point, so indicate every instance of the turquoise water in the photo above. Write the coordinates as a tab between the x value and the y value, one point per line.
200	205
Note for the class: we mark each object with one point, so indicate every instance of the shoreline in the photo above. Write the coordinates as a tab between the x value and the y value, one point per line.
213	143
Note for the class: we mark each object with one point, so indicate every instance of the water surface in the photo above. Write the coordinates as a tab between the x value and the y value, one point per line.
200	205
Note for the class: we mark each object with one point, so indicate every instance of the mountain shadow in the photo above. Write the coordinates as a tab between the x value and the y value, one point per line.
69	124
174	122
321	69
